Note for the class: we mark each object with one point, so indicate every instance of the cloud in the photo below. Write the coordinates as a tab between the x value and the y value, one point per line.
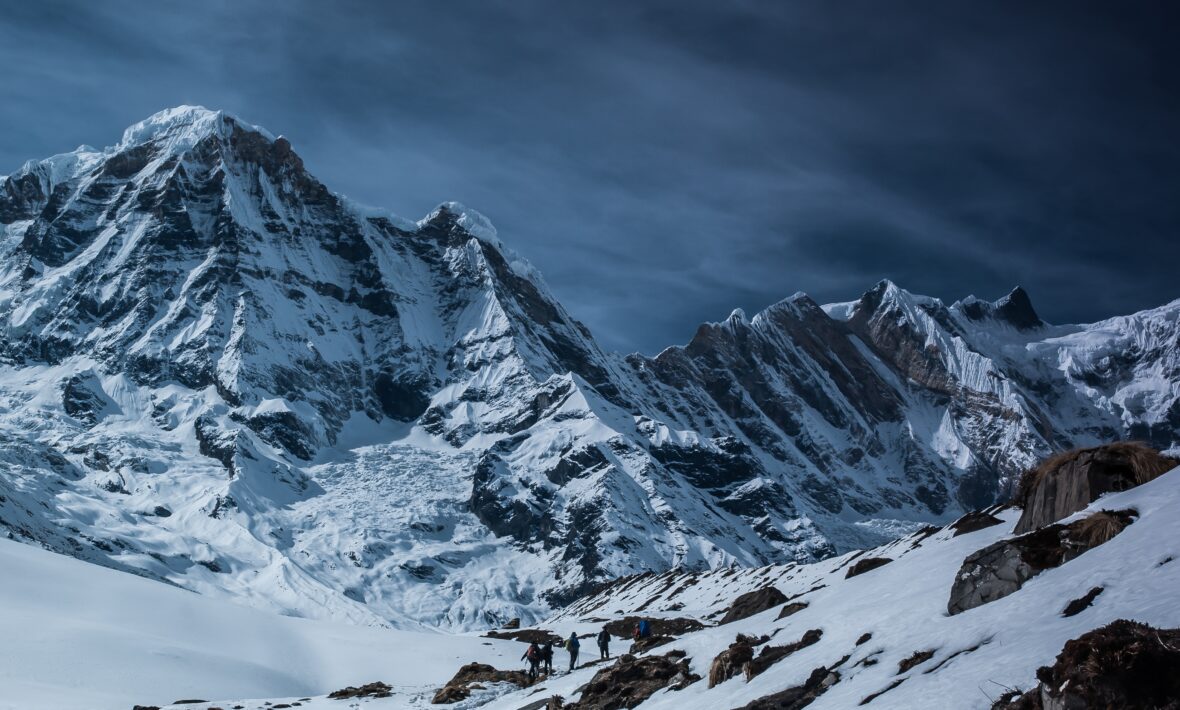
665	162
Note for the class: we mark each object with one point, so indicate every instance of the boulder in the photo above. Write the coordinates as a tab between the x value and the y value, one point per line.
1124	664
460	686
370	690
1003	567
537	636
866	564
1068	482
973	521
649	642
752	603
623	628
730	662
789	609
631	680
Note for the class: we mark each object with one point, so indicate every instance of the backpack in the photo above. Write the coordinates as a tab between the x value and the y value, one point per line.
533	652
572	644
644	628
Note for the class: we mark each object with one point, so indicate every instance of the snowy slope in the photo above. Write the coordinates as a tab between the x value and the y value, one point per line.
216	372
977	654
79	637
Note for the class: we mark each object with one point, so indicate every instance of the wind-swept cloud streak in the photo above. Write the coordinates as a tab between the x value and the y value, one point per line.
664	162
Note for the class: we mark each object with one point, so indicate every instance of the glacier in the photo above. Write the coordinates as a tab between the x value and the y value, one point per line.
217	373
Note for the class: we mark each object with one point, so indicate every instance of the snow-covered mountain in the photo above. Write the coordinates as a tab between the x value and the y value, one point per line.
216	372
80	637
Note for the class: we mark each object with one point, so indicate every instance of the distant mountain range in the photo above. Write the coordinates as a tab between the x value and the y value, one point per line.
216	372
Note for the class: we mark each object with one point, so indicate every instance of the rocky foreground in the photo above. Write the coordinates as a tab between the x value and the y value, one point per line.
1079	611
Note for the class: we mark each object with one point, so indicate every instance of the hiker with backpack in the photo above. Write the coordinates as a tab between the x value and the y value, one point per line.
547	657
533	655
604	643
571	645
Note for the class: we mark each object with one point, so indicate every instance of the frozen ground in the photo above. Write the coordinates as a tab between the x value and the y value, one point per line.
78	636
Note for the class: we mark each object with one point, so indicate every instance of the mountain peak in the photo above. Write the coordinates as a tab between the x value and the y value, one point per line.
183	126
1015	309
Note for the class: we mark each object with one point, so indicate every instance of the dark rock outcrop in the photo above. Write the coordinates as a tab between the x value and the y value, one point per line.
1002	568
799	696
789	609
752	603
1124	664
369	690
647	643
974	521
773	654
731	661
623	628
459	687
866	564
917	658
631	680
1068	482
537	636
1077	606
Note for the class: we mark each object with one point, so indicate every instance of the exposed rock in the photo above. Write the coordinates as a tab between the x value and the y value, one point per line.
649	642
1124	664
799	696
460	686
789	609
631	680
752	603
1077	606
369	690
973	521
623	628
866	564
917	658
513	623
1003	567
1016	308
773	654
730	662
82	398
1068	482
864	638
537	636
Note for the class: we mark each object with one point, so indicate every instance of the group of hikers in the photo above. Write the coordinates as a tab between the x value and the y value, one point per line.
541	657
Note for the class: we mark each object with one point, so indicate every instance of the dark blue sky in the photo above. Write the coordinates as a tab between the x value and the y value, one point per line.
664	162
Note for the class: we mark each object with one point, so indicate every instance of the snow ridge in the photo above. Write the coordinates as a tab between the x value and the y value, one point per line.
215	371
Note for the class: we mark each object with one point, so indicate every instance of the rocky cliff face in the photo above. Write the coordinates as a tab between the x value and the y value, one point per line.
344	413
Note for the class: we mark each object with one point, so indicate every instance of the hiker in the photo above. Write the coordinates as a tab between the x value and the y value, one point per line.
635	632
604	644
533	654
547	657
572	645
